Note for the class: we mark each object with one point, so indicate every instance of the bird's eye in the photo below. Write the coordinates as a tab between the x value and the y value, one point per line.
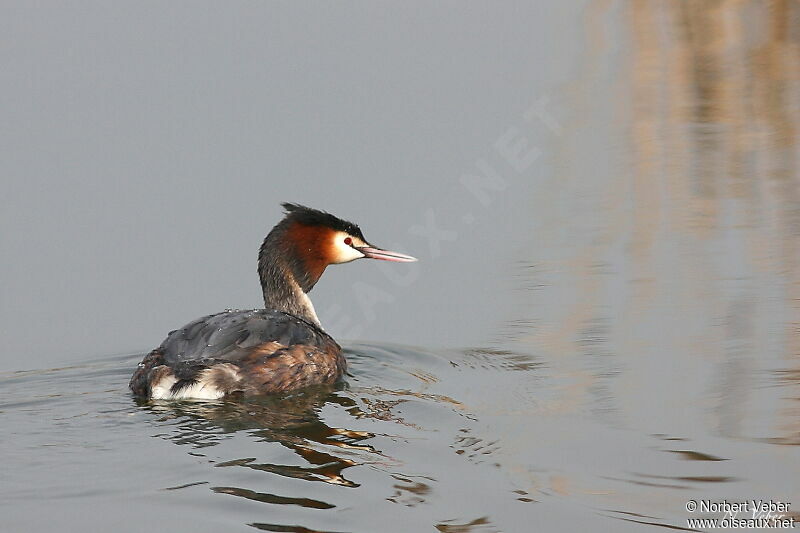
348	241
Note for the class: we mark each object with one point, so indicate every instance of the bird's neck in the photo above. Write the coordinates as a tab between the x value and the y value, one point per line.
287	296
284	279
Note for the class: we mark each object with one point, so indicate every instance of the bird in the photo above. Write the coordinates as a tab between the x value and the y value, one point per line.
279	348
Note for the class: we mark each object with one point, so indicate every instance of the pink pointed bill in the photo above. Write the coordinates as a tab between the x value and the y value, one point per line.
386	255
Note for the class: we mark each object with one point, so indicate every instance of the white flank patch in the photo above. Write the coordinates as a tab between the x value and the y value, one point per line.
202	389
160	389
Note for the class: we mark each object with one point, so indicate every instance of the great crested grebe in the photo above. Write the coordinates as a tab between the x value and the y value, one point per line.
279	348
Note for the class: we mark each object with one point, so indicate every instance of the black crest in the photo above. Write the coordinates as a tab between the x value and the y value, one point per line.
315	217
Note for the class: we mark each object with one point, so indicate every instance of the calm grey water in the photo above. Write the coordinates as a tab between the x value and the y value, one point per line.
604	323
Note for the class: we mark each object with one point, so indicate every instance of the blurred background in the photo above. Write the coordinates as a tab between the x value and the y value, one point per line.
147	148
609	188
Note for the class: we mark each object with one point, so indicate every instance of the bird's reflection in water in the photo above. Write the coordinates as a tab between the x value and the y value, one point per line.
291	420
294	422
401	419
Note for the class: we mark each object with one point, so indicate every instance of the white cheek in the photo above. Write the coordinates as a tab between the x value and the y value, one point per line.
344	252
